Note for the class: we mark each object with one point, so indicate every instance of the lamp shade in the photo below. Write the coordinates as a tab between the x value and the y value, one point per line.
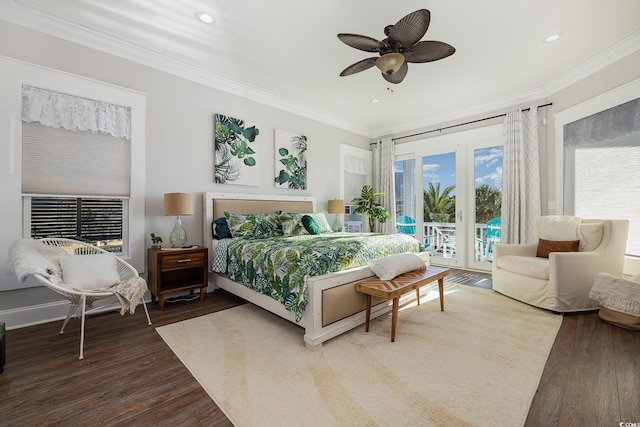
336	206
177	204
390	62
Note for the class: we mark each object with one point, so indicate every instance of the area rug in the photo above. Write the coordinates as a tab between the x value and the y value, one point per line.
478	363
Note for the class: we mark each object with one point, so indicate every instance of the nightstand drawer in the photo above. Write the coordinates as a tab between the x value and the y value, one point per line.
182	260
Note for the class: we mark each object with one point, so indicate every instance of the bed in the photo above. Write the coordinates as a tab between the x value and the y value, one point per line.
330	304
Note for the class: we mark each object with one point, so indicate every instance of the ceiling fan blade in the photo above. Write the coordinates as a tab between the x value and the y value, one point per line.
427	51
365	64
398	76
410	29
368	44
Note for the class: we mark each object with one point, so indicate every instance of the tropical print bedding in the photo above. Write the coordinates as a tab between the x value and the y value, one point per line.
277	266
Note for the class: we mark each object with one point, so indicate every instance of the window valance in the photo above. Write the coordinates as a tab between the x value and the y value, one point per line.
356	165
62	111
616	122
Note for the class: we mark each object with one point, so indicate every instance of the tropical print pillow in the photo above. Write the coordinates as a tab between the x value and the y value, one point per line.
253	226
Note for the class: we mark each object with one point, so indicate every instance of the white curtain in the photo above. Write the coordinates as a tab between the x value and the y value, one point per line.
383	181
62	111
521	177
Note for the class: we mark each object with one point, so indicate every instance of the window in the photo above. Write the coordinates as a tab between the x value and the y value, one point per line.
601	156
76	168
96	221
597	152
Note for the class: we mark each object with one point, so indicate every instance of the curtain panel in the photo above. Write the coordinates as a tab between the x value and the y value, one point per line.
521	177
62	111
383	158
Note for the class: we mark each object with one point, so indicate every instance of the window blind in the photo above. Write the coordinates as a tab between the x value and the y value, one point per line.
65	162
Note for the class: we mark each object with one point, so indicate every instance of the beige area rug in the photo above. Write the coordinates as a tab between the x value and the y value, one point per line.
478	363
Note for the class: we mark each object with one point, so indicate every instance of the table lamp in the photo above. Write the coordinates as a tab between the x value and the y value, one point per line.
178	204
336	206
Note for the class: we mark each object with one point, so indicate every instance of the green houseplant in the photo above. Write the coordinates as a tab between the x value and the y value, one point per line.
367	204
156	240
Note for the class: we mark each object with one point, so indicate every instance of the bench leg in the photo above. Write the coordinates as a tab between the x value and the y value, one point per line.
441	290
366	322
394	318
418	295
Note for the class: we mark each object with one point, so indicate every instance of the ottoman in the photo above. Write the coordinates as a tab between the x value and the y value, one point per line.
619	300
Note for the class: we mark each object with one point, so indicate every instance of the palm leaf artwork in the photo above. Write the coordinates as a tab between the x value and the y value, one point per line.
291	160
235	151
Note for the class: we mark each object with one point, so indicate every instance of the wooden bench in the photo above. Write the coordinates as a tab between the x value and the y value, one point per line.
398	286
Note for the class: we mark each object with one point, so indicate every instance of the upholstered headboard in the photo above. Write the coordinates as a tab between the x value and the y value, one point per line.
254	206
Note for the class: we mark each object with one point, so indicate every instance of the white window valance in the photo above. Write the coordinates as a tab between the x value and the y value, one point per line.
61	111
356	165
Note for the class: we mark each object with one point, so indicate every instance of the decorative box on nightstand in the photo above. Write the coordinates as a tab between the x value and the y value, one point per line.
176	270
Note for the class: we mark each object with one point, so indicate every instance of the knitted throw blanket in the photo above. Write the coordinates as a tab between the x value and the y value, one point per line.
616	293
129	293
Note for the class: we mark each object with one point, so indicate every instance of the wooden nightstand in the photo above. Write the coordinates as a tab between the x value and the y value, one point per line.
176	270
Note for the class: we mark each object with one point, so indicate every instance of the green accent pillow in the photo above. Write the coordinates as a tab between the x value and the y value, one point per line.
311	225
322	222
221	229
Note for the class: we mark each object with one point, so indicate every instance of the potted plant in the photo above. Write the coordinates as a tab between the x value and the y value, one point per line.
156	240
367	204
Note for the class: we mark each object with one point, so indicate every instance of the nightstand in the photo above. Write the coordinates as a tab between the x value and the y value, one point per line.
176	270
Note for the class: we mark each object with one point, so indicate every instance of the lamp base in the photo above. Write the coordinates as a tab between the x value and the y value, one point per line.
337	225
178	236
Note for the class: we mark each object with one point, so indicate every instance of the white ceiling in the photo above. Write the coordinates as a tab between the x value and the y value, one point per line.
285	52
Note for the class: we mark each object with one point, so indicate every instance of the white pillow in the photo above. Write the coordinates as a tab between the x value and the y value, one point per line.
393	265
90	271
558	227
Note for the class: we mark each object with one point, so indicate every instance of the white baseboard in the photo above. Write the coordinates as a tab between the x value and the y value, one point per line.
50	312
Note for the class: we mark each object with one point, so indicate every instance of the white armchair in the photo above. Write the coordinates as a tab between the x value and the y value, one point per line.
562	282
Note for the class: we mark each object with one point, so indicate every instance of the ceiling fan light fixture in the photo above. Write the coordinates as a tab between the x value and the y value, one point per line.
205	17
390	63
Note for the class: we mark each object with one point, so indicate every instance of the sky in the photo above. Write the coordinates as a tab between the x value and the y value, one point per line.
441	168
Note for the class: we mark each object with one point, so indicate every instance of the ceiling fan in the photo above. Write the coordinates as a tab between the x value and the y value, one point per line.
401	46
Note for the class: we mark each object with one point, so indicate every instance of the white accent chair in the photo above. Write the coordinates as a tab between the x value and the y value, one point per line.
79	298
562	282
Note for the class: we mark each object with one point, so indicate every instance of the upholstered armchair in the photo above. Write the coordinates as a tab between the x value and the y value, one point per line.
562	281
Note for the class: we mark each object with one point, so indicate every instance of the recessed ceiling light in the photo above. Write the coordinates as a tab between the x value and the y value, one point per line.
374	101
552	37
205	17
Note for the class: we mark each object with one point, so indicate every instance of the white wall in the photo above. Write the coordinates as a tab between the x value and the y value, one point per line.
179	141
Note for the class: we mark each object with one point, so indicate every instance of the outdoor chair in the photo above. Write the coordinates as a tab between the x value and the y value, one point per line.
406	225
484	247
57	264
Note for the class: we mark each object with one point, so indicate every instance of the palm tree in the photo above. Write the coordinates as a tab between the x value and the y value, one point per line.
488	203
441	204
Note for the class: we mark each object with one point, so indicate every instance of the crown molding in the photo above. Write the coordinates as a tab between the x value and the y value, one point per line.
58	27
592	65
13	11
606	57
502	103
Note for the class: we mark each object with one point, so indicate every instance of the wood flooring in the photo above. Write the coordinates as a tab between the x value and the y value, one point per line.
129	377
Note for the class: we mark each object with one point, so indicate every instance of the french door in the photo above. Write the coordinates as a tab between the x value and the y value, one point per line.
451	186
